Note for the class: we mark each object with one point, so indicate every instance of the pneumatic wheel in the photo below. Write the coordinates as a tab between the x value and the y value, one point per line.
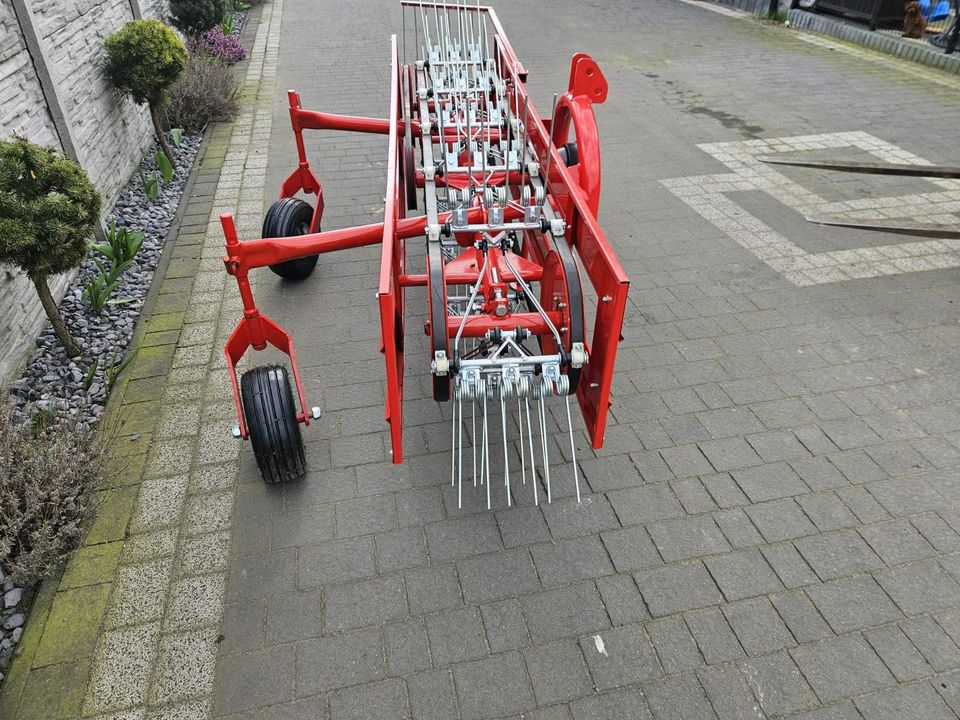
287	218
271	417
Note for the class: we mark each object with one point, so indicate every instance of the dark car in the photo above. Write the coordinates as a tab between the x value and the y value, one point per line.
888	13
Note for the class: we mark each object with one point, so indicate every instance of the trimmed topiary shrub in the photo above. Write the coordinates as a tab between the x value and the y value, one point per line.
47	485
144	59
192	17
205	93
48	209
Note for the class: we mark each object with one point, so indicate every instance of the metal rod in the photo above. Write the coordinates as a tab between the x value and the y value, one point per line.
542	415
486	446
460	454
473	439
928	230
533	459
523	163
573	448
523	460
453	440
553	112
869	168
506	450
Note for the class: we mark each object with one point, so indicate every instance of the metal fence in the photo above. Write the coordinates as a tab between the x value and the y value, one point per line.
929	22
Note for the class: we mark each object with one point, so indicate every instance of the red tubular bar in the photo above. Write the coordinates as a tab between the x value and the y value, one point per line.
479	325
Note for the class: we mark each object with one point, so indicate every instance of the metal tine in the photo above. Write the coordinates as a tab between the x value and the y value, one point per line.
453	441
523	460
523	161
483	437
506	157
486	447
506	449
533	459
440	46
473	440
544	446
426	34
573	448
460	455
553	112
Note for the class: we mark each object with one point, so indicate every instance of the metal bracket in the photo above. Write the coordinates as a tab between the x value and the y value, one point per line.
440	364
578	355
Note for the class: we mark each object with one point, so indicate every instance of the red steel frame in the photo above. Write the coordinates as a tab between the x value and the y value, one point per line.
574	192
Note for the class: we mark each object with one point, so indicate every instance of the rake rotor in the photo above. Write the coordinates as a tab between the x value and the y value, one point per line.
509	220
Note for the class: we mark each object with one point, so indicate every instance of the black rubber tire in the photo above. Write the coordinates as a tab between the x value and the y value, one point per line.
287	218
272	426
569	154
408	167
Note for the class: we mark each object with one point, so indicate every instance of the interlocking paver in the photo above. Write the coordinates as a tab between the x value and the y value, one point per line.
557	672
493	687
564	612
611	706
675	588
456	635
678	696
842	667
621	656
328	663
853	603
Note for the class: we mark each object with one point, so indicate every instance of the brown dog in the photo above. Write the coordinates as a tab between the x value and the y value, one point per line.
914	23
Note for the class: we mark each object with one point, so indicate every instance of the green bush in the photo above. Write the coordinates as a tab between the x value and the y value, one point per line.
144	59
47	485
193	17
48	209
206	92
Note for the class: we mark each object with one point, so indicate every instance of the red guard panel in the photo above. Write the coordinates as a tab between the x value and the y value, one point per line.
390	293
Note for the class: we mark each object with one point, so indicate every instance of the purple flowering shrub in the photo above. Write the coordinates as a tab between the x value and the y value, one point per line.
225	48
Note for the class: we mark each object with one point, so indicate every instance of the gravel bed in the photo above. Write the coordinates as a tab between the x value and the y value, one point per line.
54	383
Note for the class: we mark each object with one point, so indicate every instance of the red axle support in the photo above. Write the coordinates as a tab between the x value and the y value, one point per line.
257	331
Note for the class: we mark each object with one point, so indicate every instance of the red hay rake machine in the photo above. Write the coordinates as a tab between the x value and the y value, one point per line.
510	216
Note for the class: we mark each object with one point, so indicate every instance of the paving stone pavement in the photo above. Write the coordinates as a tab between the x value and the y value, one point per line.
772	527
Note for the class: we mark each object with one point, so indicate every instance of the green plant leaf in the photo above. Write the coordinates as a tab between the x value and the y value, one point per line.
176	134
91	372
166	167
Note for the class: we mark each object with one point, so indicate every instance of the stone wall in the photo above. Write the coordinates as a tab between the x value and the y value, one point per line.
109	132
